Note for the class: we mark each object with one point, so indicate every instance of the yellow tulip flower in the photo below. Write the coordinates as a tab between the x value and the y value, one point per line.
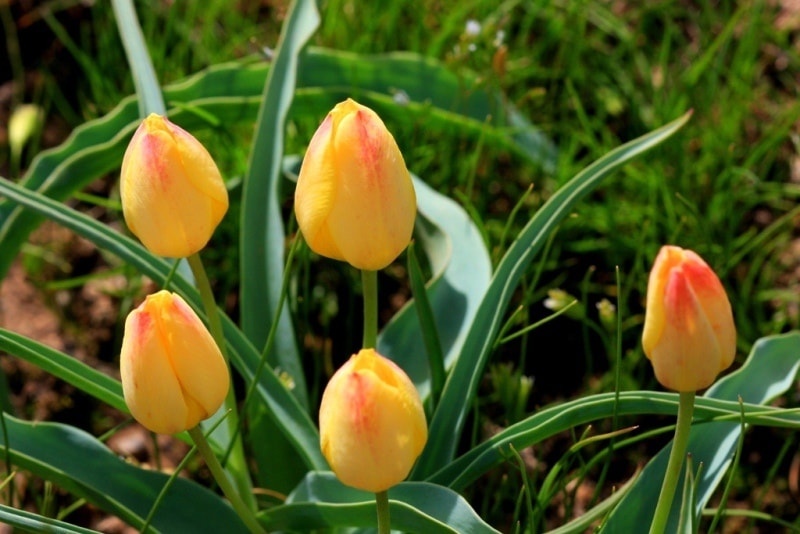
173	196
355	201
689	334
371	422
173	374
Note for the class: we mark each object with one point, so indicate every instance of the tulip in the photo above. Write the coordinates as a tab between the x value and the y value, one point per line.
689	333
355	201
371	422
173	196
173	374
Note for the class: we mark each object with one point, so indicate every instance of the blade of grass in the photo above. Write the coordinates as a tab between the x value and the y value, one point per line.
427	325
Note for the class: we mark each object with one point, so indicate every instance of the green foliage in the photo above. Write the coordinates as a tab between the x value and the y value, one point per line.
462	105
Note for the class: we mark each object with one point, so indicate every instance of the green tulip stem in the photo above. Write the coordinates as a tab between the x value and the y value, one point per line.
236	461
675	463
382	504
245	513
369	286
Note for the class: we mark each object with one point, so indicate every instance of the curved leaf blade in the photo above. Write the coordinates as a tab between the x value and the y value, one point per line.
424	81
459	390
461	269
769	372
65	367
321	501
30	522
79	463
262	232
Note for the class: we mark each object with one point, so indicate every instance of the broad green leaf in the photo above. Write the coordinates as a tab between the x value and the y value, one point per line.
459	391
461	272
262	241
231	93
412	80
78	463
769	372
30	522
321	501
771	368
291	418
65	367
262	231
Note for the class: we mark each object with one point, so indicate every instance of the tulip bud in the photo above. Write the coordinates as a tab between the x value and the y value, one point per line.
173	374
22	124
371	423
173	196
355	201
689	333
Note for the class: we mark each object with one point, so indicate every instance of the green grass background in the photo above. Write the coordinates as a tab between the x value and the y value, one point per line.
591	75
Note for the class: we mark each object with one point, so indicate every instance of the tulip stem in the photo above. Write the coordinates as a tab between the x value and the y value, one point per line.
382	504
236	460
245	513
675	463
369	286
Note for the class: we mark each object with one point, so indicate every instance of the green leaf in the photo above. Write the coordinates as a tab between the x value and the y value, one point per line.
142	70
262	232
769	372
281	405
262	246
461	272
65	367
77	462
30	522
427	324
231	93
459	391
410	81
770	368
321	501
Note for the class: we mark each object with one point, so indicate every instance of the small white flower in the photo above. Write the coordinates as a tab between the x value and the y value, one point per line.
401	98
499	37
473	28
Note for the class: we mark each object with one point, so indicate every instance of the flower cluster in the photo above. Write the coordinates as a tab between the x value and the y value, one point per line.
355	202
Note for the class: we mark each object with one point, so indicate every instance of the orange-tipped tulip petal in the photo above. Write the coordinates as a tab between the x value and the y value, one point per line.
173	196
371	422
355	201
173	374
689	334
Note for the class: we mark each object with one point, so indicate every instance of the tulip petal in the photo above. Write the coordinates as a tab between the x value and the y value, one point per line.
196	360
716	306
377	195
687	357
316	193
173	374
